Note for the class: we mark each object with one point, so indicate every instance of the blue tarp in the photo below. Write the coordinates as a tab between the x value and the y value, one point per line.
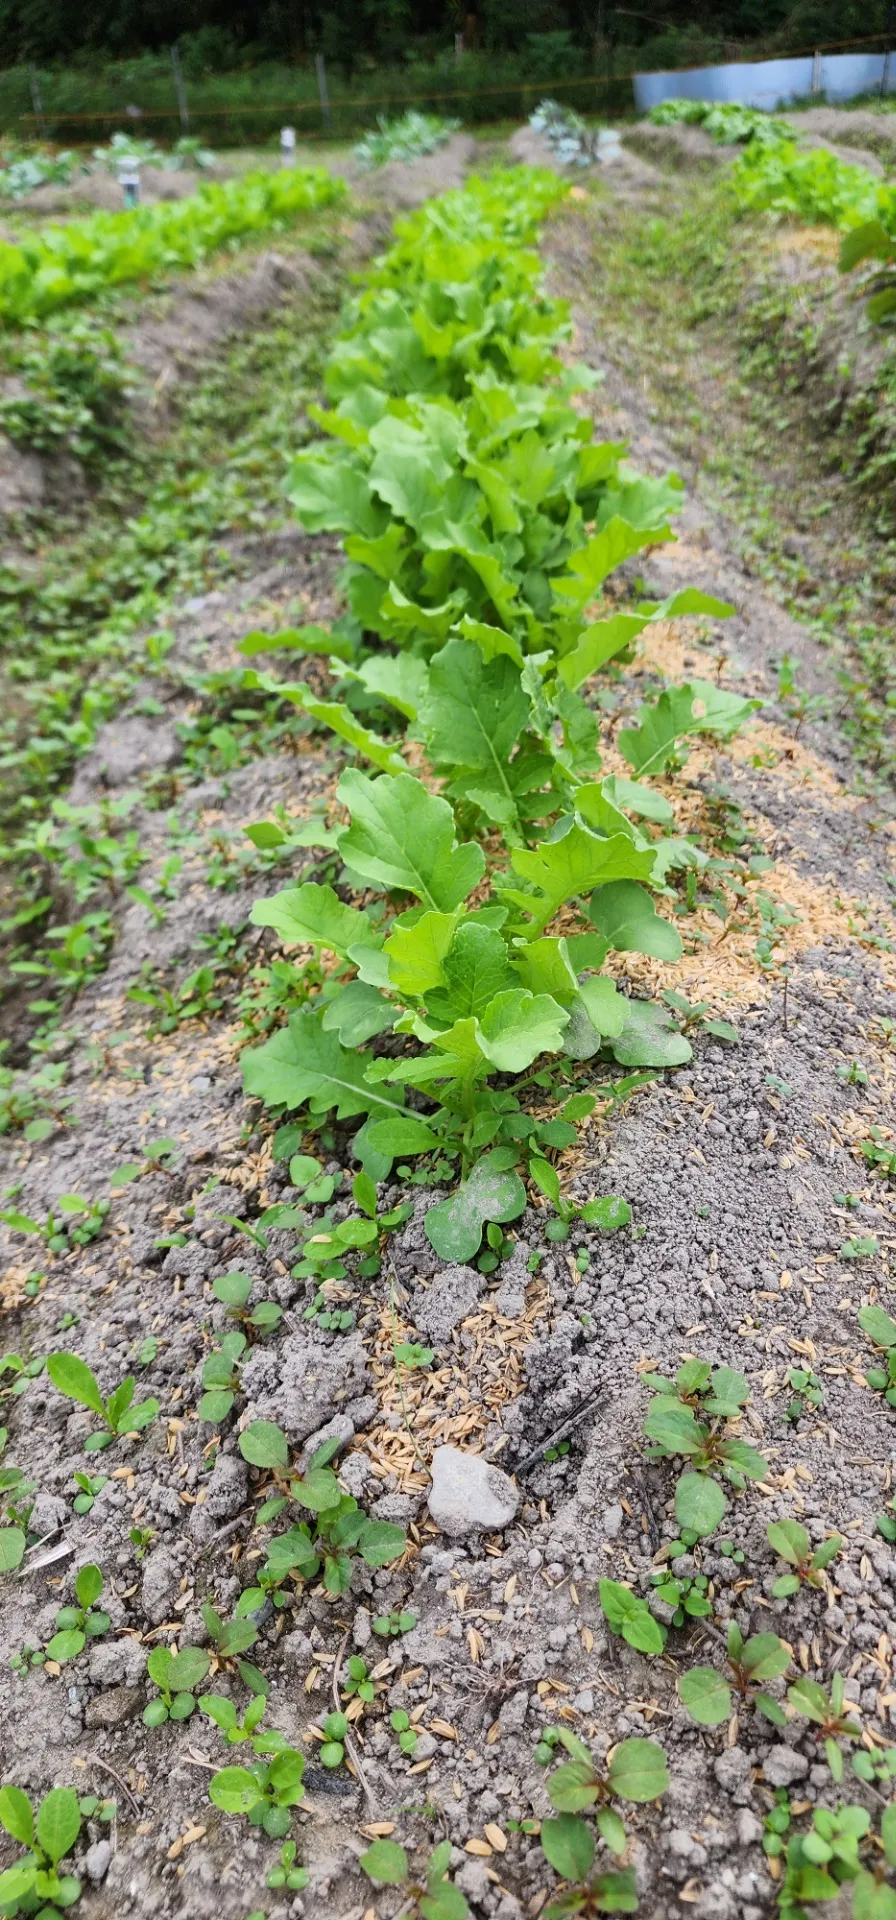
769	83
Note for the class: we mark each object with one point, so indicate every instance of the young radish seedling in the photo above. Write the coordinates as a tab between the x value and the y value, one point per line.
74	1378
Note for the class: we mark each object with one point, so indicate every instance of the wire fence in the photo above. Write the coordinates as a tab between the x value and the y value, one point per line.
30	103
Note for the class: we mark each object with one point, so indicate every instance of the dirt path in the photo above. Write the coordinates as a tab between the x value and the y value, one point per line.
736	1168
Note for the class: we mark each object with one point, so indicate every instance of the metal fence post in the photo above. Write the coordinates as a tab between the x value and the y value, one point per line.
37	102
179	88
322	90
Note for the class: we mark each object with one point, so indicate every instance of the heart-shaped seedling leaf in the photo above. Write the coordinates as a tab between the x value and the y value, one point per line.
492	1192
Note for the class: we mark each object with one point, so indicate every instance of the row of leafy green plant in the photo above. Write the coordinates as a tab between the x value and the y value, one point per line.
480	526
408	137
57	267
776	175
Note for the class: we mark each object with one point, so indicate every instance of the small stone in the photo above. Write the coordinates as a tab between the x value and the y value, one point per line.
361	1627
451	1295
113	1708
783	1765
731	1768
161	1581
341	1428
472	1878
47	1513
467	1494
584	1701
611	1522
749	1829
97	1861
118	1662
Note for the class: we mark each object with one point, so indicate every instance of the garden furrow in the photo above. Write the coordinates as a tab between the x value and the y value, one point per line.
460	1658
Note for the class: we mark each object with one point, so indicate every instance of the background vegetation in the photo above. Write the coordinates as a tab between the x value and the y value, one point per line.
247	68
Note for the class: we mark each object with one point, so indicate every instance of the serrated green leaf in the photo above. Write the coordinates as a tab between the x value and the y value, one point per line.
561	870
403	836
302	1064
314	916
473	717
698	707
58	1823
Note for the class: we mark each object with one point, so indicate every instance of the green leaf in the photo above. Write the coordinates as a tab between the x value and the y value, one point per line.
358	1013
878	1326
89	1585
673	1427
624	915
12	1548
73	1377
398	678
638	1770
590	565
492	1192
386	1862
706	1695
303	1064
517	1026
573	1786
66	1645
264	1445
887	1833
630	1616
607	1214
16	1815
310	639
403	836
699	1503
698	707
415	953
380	1542
340	719
765	1657
611	1829
403	1135
331	494
58	1823
650	1038
568	1846
790	1540
561	870
234	1790
474	970
472	719
598	643
314	916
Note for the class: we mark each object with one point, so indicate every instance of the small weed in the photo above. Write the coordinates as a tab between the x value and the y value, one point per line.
73	1378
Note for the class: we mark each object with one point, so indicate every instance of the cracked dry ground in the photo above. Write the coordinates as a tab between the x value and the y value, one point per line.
733	1167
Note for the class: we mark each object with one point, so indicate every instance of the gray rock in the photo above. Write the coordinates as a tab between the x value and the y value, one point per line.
783	1765
472	1878
47	1513
731	1768
97	1861
467	1494
584	1701
341	1428
315	1382
113	1708
361	1628
451	1295
612	1521
228	1487
117	1662
749	1829
161	1581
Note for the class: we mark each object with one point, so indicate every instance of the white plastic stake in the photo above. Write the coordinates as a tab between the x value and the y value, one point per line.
287	146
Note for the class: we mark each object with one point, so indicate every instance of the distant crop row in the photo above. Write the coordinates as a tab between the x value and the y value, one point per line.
61	266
